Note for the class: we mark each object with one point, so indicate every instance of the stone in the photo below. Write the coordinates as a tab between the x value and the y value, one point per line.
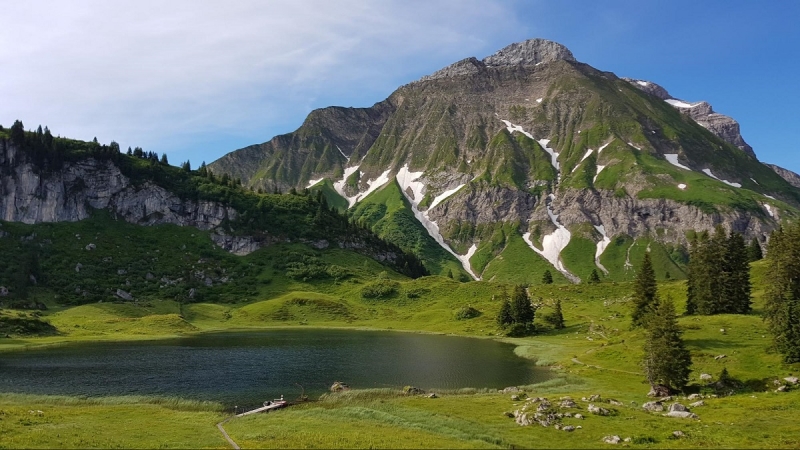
614	402
696	404
718	357
510	389
678	434
694	397
208	282
659	390
569	428
149	276
653	406
792	380
706	377
515	398
91	247
433	395
568	403
192	292
338	386
121	272
78	267
124	295
3	291
412	390
597	410
612	439
677	407
681	414
783	388
579	416
509	414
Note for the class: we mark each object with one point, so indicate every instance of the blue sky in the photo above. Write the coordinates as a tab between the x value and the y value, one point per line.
197	79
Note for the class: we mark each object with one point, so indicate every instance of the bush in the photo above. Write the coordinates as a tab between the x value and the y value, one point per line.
380	289
466	313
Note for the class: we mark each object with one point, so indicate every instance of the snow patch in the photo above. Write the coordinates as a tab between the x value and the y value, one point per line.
681	186
769	209
601	247
680	104
340	151
599	169
637	148
443	196
408	181
553	244
708	172
672	158
642	83
628	265
539	100
769	196
313	182
543	142
339	186
373	185
754	181
588	152
603	146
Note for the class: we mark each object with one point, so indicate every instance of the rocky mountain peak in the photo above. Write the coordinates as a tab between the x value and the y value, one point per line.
721	125
530	52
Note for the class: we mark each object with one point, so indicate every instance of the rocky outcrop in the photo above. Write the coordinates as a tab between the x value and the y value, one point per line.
791	177
724	127
530	52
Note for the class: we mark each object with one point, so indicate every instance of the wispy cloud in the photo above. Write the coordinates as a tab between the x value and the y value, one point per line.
168	75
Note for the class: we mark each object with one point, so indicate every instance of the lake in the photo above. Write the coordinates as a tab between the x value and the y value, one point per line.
246	368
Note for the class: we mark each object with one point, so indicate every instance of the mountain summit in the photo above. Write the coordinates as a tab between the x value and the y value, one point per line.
526	161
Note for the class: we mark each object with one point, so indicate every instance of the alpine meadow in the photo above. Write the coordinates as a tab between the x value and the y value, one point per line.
519	251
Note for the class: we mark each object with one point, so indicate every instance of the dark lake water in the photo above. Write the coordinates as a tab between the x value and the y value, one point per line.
246	368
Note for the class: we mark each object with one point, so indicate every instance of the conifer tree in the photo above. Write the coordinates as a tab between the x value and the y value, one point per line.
736	277
594	277
547	277
504	315
782	309
558	316
645	293
667	362
754	252
521	309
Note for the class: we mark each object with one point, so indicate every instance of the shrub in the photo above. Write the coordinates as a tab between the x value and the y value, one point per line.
380	289
466	313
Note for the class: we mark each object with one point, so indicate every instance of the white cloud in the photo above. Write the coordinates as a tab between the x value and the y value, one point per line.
166	75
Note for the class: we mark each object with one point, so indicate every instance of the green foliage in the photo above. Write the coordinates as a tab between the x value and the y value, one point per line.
782	310
754	252
380	289
667	361
504	317
547	277
556	318
594	277
466	313
645	294
719	275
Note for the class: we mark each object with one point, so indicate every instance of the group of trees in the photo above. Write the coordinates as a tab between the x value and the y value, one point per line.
517	313
782	309
718	275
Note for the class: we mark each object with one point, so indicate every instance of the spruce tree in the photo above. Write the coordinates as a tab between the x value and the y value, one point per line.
782	308
736	279
504	315
645	293
558	316
667	362
754	252
521	309
547	277
594	277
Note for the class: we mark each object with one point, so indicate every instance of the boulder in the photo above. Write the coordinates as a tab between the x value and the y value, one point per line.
678	434
568	403
695	397
706	377
677	407
124	295
510	389
681	414
515	398
78	267
792	380
579	416
696	404
783	388
614	402
3	291
192	292
433	395
659	390
569	428
653	406
612	439
121	272
411	390
597	410
149	276
90	247
208	282
338	386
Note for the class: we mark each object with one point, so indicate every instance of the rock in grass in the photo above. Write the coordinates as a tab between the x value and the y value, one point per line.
124	295
677	407
706	377
569	428
568	403
792	380
653	406
678	434
598	410
694	397
696	404
612	439
681	415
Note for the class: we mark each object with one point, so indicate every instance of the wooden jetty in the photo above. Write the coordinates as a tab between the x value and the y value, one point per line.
268	406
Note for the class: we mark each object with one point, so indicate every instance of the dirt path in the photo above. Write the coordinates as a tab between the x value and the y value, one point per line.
225	433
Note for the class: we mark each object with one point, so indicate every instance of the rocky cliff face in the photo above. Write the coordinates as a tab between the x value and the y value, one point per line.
721	125
791	177
32	196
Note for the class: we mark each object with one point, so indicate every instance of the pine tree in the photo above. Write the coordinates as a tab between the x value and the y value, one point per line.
736	278
645	293
558	316
521	309
164	159
782	308
594	277
667	362
547	277
504	315
754	252
18	133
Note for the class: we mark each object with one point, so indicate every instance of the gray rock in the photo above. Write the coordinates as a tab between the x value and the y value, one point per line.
433	395
706	377
149	276
530	52
568	403
121	272
792	380
515	398
78	267
783	388
678	434
569	428
718	357
614	402
677	407
598	410
653	406
192	292
681	414
698	403
91	247
579	416
3	291
791	177
612	439
124	295
694	397
208	282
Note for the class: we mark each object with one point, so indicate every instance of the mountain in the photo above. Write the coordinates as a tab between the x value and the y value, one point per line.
528	160
90	224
